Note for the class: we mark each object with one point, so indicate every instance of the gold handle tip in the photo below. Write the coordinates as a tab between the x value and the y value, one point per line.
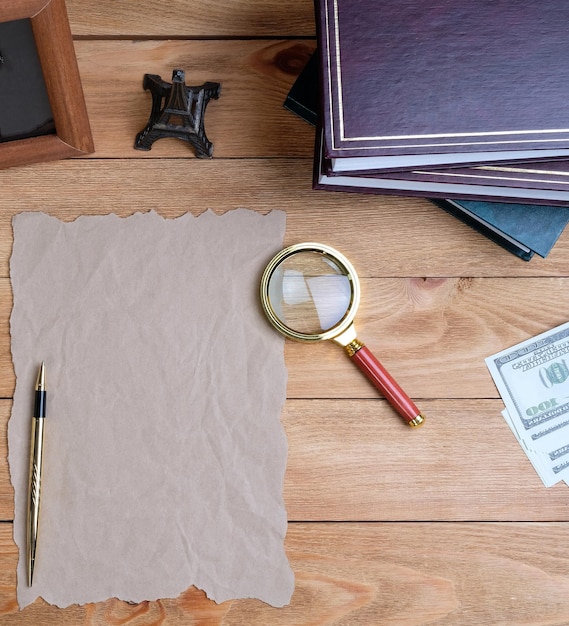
417	421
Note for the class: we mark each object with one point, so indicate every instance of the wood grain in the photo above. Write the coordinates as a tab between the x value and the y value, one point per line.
248	120
354	460
431	334
20	9
365	574
177	18
446	525
382	235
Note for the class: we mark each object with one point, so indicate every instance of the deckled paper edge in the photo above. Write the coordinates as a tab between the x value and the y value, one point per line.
207	212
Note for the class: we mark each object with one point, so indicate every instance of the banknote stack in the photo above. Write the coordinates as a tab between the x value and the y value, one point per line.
533	380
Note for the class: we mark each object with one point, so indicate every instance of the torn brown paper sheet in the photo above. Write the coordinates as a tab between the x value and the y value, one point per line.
164	453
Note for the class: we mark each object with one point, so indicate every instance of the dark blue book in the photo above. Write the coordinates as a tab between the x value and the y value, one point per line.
522	229
302	98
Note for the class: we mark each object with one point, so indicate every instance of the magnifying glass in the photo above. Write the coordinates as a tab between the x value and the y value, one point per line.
311	292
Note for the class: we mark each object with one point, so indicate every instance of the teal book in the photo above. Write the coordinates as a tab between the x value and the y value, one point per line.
523	229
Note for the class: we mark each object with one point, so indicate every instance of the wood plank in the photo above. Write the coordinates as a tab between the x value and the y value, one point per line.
405	574
432	335
177	18
248	119
382	235
355	460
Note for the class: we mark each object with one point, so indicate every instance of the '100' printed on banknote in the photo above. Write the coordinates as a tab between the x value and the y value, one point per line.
533	380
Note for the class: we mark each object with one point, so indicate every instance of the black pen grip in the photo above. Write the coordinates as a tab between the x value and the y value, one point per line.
40	404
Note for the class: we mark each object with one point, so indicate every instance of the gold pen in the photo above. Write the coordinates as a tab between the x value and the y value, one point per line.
36	457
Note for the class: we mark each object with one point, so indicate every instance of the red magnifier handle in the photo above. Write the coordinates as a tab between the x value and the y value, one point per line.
383	380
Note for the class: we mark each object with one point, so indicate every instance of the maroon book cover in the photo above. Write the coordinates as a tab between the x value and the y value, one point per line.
537	182
434	83
535	177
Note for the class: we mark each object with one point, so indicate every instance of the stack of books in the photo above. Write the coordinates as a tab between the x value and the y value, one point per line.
461	102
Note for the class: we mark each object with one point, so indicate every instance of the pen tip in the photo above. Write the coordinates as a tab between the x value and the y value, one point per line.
40	382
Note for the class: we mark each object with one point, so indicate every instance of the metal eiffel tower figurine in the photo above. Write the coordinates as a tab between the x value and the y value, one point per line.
177	111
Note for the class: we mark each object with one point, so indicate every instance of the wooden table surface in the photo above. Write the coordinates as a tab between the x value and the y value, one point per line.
446	525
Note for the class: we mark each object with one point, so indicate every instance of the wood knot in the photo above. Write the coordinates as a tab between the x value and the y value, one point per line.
428	292
430	283
464	284
292	59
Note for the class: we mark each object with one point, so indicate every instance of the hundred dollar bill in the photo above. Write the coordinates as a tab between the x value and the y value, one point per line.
550	466
533	380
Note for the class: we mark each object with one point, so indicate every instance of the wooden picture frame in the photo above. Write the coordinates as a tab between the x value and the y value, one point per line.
54	43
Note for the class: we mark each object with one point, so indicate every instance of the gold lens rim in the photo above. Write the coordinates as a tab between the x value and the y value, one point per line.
339	259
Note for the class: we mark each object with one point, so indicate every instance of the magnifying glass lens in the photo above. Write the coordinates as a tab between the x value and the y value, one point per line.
310	293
